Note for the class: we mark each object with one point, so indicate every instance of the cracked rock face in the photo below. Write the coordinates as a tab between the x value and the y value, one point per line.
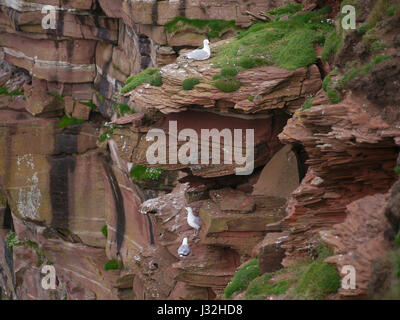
72	203
271	87
353	144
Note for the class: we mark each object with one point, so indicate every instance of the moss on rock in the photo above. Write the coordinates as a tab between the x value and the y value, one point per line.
243	277
285	43
188	84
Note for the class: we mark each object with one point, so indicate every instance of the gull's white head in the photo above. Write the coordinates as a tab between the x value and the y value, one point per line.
185	241
206	43
189	210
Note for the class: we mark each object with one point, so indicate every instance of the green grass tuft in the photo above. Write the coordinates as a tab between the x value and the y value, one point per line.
16	92
307	104
251	98
188	84
89	104
249	62
123	109
391	11
229	72
333	96
58	96
156	80
12	240
229	84
107	134
378	46
319	280
69	121
397	170
288	44
397	239
332	45
380	9
135	81
104	231
111	265
139	173
364	29
242	278
364	70
289	9
261	287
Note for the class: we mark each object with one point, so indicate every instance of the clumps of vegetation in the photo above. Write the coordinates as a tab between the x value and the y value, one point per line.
188	84
363	29
261	287
391	11
380	9
378	46
306	279
251	98
226	81
89	104
229	84
214	28
289	9
123	109
242	278
250	63
397	170
332	45
111	265
397	239
156	80
16	92
317	281
104	231
140	173
67	121
12	241
146	76
333	95
288	43
362	71
58	96
229	72
307	104
39	252
107	134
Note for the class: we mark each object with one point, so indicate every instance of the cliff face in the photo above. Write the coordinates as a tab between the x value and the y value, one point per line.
77	191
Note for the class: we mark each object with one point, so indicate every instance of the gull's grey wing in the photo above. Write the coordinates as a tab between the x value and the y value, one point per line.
198	55
184	250
197	220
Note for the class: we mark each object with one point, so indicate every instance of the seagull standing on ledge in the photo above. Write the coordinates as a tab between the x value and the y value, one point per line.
193	220
184	249
201	54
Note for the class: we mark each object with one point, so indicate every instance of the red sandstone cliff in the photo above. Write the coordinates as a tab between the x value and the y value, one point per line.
59	187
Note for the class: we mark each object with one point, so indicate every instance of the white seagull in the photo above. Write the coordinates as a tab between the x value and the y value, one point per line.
193	220
184	249
201	54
